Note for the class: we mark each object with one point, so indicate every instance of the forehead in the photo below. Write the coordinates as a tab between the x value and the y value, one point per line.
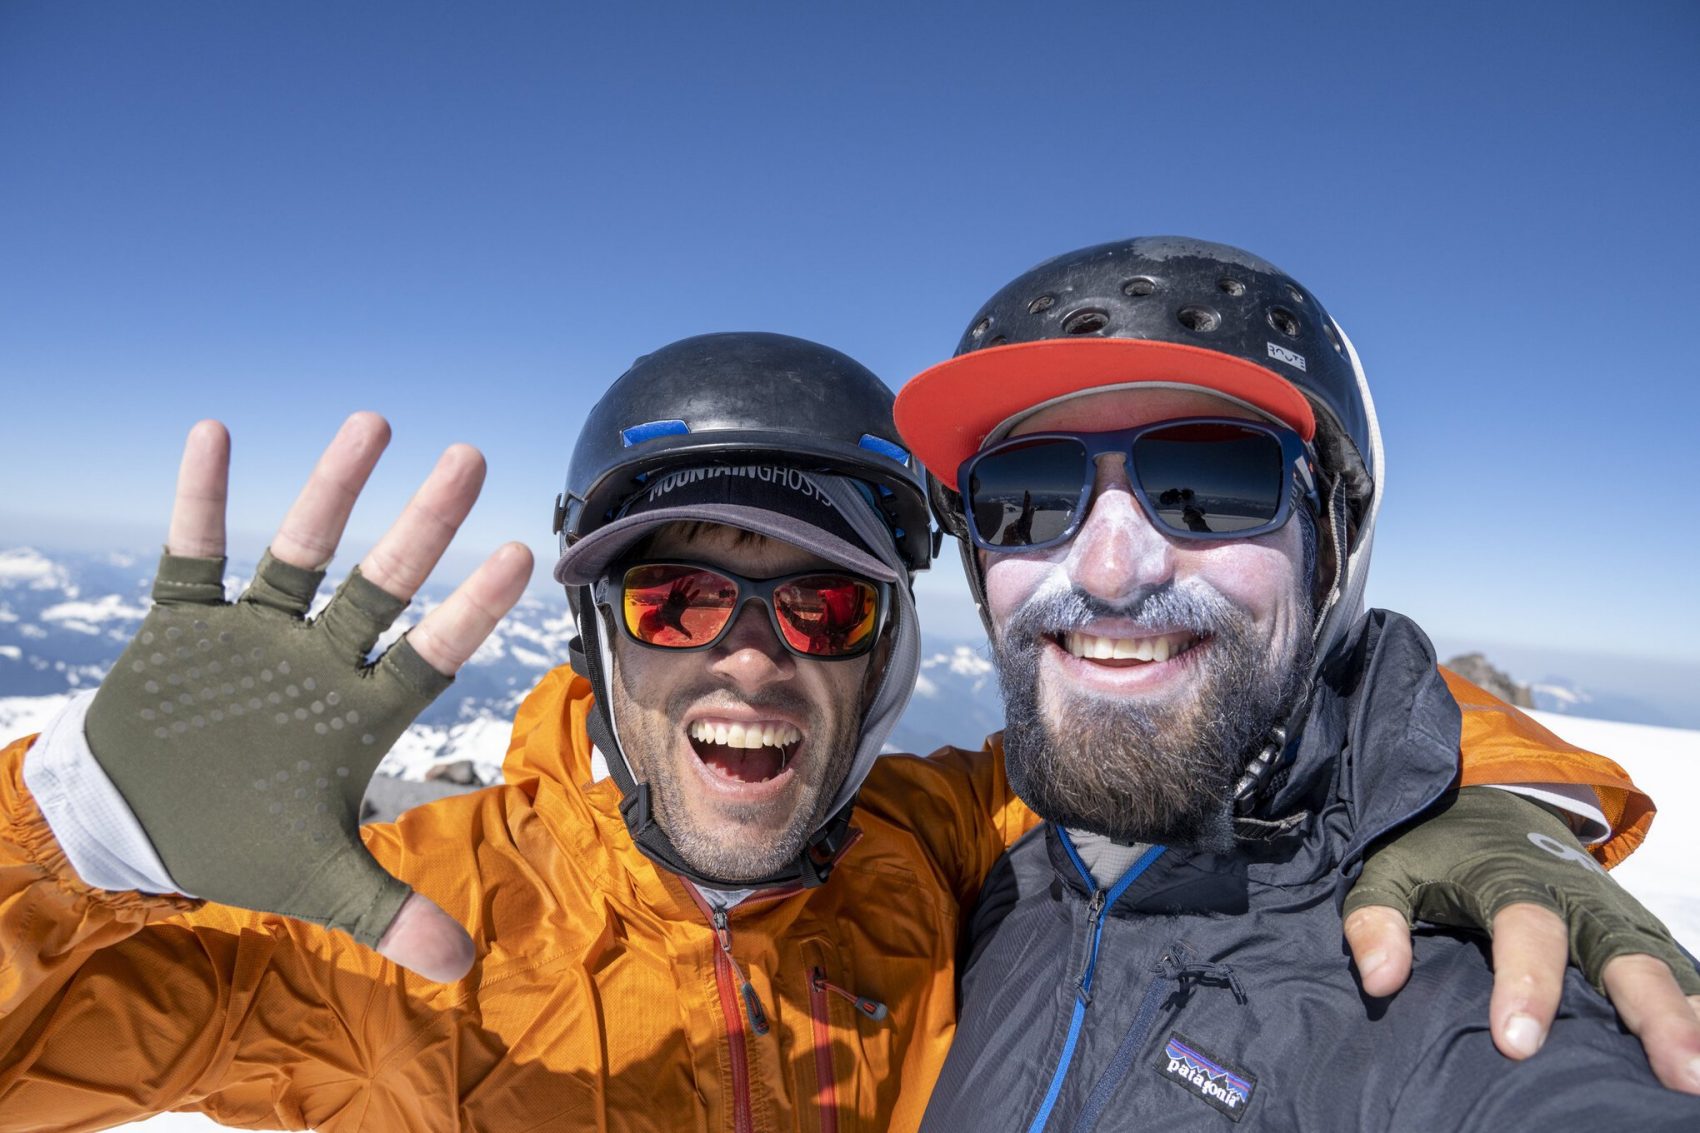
1127	408
738	550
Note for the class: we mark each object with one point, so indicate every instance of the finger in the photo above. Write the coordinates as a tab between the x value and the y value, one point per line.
401	561
1654	1009
1380	939
1530	951
310	531
203	479
424	939
451	632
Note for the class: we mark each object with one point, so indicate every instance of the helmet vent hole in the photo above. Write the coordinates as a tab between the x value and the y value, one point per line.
979	330
1284	321
1296	295
998	340
1230	287
1087	320
1140	285
1333	336
1042	303
1200	319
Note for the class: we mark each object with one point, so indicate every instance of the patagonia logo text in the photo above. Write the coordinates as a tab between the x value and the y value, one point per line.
1291	357
1205	1076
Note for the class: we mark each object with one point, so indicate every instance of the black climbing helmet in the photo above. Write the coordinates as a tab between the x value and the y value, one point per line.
1152	309
739	398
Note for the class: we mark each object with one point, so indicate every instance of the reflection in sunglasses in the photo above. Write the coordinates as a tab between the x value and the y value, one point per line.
682	606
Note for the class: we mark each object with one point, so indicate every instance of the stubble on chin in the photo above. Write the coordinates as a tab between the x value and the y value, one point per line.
722	839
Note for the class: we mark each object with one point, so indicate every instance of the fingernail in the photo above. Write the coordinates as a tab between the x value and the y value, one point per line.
1692	1073
1372	963
1523	1034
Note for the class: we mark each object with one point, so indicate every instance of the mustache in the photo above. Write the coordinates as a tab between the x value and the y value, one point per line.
1054	610
712	695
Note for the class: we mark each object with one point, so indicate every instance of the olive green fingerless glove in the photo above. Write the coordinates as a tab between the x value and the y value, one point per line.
242	736
1486	849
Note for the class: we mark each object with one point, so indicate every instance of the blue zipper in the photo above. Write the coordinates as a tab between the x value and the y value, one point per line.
1123	1059
1102	900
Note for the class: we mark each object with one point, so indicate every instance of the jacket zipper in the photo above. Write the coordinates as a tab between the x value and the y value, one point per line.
730	982
733	986
828	1099
1100	902
743	1120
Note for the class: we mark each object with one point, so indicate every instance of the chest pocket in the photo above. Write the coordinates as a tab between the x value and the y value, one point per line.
841	1044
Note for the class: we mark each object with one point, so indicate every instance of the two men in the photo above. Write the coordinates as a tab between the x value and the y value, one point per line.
1163	463
709	936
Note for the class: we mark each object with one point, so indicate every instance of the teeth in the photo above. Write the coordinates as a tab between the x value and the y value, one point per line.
1092	647
744	735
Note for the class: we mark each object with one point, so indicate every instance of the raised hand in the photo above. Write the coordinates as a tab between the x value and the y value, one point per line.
243	735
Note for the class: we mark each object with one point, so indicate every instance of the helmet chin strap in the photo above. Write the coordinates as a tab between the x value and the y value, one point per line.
1262	772
813	863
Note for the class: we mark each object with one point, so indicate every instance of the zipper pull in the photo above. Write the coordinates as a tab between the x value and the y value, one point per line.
872	1008
1095	907
752	1004
1094	917
746	990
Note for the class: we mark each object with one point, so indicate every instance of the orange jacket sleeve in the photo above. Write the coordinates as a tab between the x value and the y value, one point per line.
1504	746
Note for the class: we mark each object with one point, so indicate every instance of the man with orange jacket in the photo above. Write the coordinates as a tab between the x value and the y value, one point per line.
699	900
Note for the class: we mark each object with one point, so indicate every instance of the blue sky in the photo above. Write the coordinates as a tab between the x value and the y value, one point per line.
472	217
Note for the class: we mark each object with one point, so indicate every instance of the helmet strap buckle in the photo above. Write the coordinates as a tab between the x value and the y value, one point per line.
576	657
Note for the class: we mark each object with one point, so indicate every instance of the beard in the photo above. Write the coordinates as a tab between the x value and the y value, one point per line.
1146	771
733	843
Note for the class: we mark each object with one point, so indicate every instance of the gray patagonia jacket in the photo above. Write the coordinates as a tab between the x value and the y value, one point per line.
1210	992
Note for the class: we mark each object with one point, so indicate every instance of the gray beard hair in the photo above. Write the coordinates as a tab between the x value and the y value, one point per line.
1142	772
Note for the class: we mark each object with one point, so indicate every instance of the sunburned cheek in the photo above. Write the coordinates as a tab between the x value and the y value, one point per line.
1259	575
1013	581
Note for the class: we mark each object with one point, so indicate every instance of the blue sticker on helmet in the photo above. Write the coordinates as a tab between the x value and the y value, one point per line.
884	448
650	430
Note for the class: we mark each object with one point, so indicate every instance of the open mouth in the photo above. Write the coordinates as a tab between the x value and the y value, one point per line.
745	751
1127	652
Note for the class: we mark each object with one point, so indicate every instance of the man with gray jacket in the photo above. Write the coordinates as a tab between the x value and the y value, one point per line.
1162	462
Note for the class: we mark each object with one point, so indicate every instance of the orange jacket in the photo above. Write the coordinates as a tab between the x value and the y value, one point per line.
601	998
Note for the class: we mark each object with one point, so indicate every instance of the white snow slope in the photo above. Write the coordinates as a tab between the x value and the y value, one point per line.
1663	873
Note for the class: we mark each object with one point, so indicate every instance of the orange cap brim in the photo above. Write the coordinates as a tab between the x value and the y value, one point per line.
946	412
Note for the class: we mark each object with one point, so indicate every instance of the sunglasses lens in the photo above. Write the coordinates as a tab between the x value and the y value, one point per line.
827	615
1210	477
1027	494
676	607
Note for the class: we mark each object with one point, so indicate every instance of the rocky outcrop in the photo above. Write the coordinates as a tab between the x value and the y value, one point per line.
1477	668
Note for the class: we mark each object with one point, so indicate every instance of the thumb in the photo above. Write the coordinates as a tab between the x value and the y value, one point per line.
1378	924
426	940
1380	938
